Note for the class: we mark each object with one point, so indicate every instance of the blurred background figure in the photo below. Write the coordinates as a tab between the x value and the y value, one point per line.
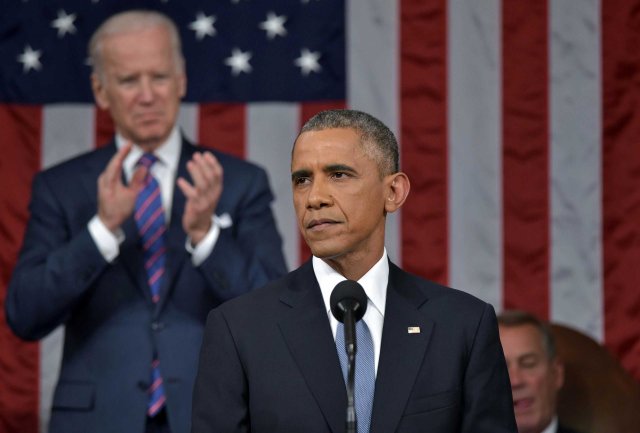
535	371
130	246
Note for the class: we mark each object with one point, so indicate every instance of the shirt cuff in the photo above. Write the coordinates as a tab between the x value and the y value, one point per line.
200	252
108	243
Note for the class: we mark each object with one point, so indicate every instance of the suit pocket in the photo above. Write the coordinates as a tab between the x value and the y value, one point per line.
432	402
74	396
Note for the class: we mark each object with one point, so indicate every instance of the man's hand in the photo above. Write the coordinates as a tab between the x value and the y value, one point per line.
202	196
116	200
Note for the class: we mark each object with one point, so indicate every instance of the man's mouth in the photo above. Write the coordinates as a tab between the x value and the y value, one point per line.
520	404
148	117
319	224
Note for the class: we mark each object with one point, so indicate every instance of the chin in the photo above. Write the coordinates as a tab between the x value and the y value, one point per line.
322	253
529	426
153	138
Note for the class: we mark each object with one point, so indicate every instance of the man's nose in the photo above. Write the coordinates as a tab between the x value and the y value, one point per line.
319	194
515	376
146	91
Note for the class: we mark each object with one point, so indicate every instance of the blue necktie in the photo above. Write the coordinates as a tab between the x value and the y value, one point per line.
149	216
365	375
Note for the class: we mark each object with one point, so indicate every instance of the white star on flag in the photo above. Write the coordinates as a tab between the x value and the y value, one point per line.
64	23
30	59
274	25
239	61
203	25
308	61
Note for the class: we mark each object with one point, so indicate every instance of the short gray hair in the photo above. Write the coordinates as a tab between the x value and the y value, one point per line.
513	318
377	139
129	21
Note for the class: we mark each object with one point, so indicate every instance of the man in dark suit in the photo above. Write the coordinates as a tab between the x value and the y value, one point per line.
269	362
535	371
131	258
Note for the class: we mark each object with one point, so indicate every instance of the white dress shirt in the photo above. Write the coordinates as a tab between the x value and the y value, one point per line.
552	427
164	171
374	283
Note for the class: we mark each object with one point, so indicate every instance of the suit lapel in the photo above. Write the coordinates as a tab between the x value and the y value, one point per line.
401	352
306	331
132	258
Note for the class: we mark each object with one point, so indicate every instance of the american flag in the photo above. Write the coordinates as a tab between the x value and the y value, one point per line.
518	123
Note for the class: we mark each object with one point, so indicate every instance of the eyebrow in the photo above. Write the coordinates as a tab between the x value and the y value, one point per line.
331	168
529	356
338	167
300	173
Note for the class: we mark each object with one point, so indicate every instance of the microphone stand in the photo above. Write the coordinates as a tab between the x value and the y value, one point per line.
349	327
348	305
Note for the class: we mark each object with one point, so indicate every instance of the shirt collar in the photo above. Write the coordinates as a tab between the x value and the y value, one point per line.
168	153
552	427
374	282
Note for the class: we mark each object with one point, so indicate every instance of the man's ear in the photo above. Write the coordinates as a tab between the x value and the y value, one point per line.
397	189
182	83
558	368
99	92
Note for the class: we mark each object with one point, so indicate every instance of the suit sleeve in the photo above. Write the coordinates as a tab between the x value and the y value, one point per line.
54	270
220	397
249	253
488	405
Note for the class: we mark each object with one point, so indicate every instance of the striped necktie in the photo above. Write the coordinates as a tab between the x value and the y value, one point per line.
365	374
149	217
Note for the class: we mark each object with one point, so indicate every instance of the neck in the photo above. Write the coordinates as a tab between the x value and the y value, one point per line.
353	268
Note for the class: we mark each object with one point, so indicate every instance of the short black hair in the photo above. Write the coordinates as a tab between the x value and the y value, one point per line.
513	318
377	139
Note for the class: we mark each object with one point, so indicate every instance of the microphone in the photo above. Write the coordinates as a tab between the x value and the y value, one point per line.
348	304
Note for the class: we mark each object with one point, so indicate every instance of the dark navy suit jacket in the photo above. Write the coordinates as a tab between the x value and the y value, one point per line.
112	327
269	363
562	429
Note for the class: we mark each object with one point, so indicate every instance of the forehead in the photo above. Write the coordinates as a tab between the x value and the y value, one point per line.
328	146
149	46
520	339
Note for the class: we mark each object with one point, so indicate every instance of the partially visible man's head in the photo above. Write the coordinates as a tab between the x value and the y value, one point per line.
535	371
345	178
139	74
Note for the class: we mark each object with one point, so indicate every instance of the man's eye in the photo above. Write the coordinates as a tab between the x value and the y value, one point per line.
127	80
340	175
301	180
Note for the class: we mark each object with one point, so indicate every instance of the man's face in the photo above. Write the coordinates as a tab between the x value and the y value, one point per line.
339	196
140	85
535	379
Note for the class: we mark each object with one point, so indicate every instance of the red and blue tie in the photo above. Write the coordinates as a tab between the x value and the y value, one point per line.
149	216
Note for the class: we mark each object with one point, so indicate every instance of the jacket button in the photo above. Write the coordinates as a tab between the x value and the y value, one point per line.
157	326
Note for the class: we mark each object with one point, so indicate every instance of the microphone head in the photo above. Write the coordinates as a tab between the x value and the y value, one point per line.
348	295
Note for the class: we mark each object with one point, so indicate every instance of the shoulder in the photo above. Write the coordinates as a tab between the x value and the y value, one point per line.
231	164
263	300
91	162
232	161
413	285
455	310
270	303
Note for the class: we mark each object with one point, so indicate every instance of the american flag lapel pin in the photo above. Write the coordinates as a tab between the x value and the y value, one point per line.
413	330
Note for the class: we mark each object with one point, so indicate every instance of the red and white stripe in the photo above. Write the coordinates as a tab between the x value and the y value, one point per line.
519	131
